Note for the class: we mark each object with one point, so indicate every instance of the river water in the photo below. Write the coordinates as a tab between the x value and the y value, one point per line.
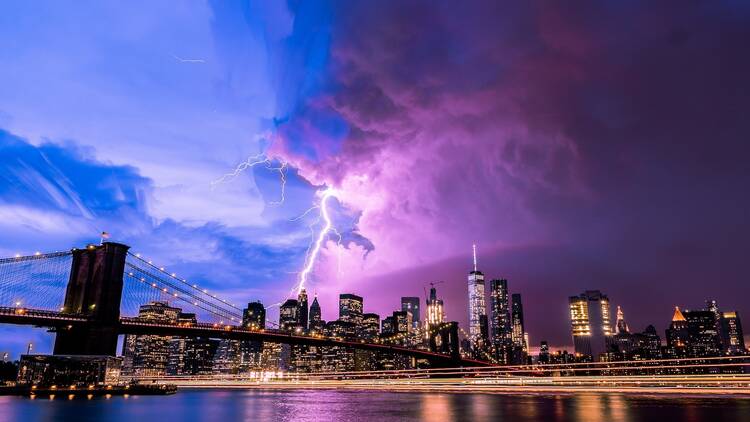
346	405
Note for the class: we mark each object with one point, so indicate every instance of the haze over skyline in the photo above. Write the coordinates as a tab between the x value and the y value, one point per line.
597	146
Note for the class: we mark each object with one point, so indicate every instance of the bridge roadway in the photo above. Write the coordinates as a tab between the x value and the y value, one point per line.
59	320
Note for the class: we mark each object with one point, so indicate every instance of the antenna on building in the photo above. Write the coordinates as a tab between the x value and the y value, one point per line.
474	250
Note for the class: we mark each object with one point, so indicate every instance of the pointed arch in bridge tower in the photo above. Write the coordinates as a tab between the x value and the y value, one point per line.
94	291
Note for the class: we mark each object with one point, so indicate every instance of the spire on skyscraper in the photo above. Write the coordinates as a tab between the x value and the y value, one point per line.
622	326
474	250
677	315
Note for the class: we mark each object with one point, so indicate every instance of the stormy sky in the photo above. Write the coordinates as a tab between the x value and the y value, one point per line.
596	145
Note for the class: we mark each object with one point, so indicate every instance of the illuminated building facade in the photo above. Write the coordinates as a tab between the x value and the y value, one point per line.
677	335
411	305
370	327
590	323
434	313
501	326
289	315
732	338
148	355
518	331
303	309
477	306
316	321
350	308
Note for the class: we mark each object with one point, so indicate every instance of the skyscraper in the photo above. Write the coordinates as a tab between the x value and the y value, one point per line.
544	352
411	305
289	315
703	333
518	331
370	328
149	354
732	339
254	316
303	310
477	307
350	308
434	310
501	332
622	326
677	335
316	322
590	322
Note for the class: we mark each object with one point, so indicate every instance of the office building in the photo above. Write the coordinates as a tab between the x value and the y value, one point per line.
590	323
501	326
148	355
350	308
477	307
316	321
434	313
411	305
518	331
289	318
303	309
732	339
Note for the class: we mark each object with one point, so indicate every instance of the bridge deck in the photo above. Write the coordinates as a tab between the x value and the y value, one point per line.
21	316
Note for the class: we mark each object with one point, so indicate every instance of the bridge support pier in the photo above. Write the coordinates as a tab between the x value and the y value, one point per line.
94	290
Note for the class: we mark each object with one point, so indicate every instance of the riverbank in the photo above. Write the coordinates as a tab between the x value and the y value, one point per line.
95	391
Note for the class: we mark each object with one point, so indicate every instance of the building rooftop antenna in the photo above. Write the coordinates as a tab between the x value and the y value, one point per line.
474	250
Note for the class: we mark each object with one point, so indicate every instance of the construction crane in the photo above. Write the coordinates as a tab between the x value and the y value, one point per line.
432	285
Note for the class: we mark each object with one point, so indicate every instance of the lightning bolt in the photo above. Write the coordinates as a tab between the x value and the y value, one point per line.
314	251
252	162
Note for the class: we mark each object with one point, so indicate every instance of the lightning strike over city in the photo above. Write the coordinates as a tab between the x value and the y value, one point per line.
386	210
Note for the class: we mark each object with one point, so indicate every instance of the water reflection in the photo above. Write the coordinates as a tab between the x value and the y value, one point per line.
437	407
335	405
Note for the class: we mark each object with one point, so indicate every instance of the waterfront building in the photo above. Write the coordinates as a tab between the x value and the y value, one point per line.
732	338
148	355
677	335
590	323
703	333
339	358
518	332
543	352
66	370
501	326
228	357
253	317
190	356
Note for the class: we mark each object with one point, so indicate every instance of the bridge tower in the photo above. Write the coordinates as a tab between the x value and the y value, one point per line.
94	290
445	340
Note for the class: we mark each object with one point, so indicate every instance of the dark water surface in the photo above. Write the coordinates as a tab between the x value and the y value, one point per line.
333	405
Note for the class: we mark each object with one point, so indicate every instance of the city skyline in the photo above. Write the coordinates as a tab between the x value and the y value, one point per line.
575	154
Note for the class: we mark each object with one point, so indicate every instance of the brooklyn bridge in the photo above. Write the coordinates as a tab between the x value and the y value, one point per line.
90	296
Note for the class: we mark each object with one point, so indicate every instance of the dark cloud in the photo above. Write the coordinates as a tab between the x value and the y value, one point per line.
593	145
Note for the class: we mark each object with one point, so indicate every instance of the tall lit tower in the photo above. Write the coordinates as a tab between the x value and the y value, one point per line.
501	328
435	315
303	309
477	307
590	323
